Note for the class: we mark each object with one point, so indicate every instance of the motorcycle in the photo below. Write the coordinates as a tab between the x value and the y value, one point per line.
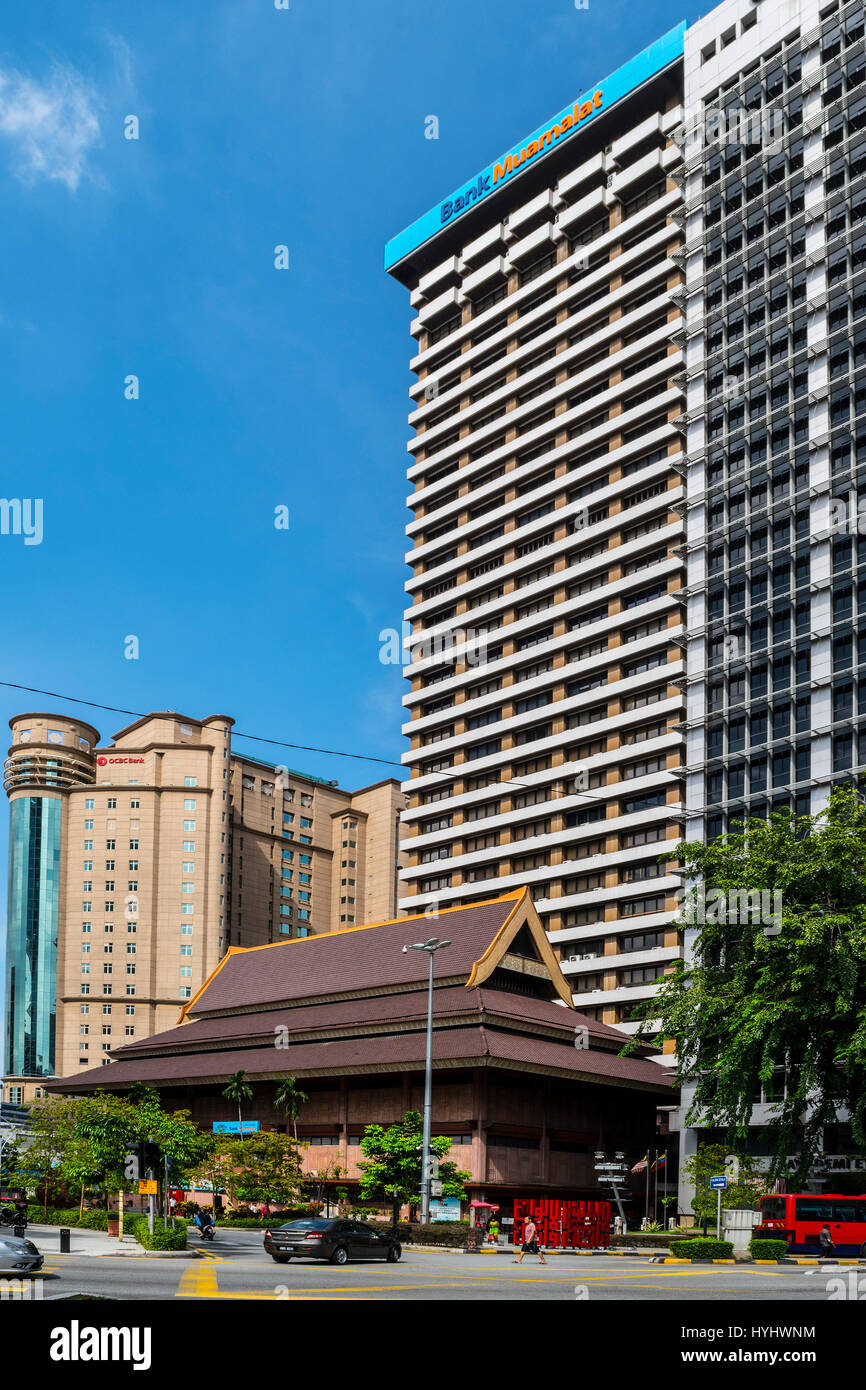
12	1216
206	1232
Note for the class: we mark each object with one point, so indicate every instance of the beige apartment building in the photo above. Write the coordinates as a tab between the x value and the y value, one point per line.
546	532
134	867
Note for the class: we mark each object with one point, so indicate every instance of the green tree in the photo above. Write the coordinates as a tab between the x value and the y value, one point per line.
105	1127
49	1140
290	1098
765	999
392	1159
239	1090
77	1141
746	1180
83	1141
179	1138
262	1167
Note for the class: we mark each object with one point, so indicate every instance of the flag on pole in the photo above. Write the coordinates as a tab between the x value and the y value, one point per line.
660	1162
639	1167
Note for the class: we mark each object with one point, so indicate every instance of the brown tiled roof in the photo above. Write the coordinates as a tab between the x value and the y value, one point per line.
352	1002
360	959
474	1045
448	1000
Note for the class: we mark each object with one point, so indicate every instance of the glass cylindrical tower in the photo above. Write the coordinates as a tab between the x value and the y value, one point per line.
48	756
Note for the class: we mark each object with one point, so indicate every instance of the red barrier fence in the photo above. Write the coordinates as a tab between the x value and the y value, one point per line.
585	1225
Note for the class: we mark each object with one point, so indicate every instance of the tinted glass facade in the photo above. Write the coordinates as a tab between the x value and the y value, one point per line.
31	942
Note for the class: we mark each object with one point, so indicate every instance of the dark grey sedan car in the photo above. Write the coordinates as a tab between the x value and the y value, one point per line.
19	1255
337	1241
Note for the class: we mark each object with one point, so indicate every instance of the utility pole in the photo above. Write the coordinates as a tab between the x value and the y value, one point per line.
151	1200
656	1188
431	946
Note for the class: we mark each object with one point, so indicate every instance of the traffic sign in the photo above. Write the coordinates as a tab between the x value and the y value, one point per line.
718	1184
147	1187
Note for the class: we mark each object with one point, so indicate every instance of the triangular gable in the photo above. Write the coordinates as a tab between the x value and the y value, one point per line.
523	919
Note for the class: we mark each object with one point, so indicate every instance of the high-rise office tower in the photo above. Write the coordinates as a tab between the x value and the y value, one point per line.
53	755
546	531
134	867
775	199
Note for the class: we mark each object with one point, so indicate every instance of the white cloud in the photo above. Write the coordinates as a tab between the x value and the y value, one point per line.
50	126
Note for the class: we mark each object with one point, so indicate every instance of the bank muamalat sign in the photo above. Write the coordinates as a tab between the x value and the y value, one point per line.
601	97
510	163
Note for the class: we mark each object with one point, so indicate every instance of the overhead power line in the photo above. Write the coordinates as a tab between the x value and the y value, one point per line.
276	742
236	733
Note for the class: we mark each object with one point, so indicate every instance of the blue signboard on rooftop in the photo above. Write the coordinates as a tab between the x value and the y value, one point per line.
235	1126
564	126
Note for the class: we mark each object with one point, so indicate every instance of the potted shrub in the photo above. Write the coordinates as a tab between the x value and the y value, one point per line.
702	1248
761	1249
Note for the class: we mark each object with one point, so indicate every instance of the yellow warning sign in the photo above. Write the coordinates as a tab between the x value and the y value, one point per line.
147	1187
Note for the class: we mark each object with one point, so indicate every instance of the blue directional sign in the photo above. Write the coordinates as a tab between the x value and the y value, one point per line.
718	1184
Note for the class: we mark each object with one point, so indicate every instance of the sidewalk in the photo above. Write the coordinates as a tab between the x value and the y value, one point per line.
81	1240
99	1243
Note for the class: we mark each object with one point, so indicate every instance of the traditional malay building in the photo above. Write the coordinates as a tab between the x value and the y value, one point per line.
526	1088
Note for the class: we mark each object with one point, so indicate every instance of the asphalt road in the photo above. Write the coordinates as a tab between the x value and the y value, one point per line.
237	1268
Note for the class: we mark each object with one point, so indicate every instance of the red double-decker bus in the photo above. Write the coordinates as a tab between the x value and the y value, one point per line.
798	1217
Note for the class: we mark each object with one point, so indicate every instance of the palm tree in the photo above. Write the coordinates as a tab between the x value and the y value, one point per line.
239	1089
290	1098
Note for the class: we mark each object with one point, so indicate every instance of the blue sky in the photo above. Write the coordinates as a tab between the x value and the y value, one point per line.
258	388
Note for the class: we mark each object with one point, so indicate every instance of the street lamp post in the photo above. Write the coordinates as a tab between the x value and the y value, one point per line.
431	946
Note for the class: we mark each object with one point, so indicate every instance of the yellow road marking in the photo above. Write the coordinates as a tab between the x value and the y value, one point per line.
198	1282
203	1284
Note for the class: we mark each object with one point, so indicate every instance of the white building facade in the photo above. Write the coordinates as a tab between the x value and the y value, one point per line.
545	599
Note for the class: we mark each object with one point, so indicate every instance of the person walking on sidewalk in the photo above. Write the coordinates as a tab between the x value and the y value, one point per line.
530	1243
825	1240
